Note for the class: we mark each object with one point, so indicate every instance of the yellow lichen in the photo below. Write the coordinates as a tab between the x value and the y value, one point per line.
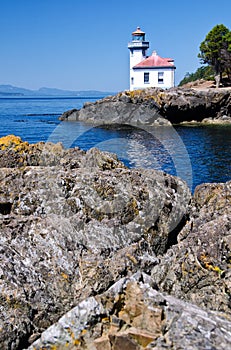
13	142
53	347
183	269
207	264
76	342
134	93
132	258
64	275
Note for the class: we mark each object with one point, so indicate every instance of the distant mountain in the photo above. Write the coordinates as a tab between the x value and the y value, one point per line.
12	90
9	90
59	92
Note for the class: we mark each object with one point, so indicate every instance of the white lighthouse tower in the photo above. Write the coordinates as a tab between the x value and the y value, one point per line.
138	51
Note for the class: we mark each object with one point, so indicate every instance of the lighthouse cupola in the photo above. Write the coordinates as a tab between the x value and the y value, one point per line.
138	35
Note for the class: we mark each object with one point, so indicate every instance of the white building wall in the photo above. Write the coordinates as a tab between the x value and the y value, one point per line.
138	78
136	56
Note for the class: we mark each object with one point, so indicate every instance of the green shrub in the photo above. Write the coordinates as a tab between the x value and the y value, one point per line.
205	72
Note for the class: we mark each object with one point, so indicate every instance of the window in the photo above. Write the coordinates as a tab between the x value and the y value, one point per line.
139	37
160	77
146	78
132	80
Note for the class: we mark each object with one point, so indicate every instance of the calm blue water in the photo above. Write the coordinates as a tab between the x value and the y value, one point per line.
196	154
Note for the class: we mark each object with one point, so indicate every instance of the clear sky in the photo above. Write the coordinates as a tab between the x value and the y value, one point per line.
82	44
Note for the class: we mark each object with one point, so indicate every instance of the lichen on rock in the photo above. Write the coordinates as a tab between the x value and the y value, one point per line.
155	107
98	256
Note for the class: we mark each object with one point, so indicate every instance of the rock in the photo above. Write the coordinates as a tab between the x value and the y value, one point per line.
16	153
70	115
198	268
120	112
224	119
132	315
72	223
98	256
156	107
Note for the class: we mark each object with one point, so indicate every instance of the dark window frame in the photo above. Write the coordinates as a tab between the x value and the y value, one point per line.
160	77
146	78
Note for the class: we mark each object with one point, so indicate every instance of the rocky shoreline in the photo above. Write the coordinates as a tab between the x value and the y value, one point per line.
98	256
156	107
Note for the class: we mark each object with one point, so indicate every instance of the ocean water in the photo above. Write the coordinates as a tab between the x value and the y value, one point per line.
197	154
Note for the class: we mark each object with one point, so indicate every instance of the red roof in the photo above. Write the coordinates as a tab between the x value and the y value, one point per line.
155	61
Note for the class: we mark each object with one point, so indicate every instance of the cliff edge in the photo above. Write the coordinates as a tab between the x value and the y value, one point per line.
154	106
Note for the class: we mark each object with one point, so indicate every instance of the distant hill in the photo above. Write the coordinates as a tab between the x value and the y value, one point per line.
9	90
12	90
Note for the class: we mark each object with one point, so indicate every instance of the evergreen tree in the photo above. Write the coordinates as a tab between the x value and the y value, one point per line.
215	50
226	55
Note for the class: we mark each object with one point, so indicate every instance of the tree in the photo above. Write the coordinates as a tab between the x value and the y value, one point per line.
226	56
215	50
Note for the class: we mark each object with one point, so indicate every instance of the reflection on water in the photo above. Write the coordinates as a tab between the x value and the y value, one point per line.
159	148
196	154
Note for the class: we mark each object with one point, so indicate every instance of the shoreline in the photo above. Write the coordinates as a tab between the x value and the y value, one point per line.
154	106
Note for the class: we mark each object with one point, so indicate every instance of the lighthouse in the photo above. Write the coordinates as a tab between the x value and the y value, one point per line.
138	48
148	71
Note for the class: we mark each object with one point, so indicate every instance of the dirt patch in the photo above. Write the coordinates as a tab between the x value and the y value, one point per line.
203	85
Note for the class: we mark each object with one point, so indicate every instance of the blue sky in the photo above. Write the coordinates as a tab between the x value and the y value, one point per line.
82	44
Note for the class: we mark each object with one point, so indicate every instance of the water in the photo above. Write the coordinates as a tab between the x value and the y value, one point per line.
196	154
34	119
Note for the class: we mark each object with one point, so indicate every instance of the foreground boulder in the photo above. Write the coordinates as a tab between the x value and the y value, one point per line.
132	315
72	223
193	313
155	106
